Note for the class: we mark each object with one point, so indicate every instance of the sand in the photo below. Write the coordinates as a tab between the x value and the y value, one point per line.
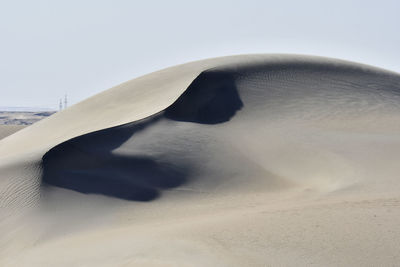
253	160
6	130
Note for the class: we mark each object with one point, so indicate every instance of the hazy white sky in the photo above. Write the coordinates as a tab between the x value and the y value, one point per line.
49	48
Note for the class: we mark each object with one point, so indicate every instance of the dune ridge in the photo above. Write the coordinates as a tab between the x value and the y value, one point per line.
243	160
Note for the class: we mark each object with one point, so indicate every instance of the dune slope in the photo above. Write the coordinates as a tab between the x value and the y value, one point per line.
246	161
6	130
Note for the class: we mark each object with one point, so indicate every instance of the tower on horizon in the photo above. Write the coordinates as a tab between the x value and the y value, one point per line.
65	101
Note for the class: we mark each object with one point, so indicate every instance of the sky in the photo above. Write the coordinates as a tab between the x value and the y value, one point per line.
80	48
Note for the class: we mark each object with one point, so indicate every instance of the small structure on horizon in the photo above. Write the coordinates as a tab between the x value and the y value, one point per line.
65	101
60	106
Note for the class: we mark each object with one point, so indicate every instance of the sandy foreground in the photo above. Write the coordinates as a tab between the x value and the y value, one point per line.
256	160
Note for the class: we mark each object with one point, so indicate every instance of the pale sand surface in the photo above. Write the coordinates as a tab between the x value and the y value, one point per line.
239	161
6	130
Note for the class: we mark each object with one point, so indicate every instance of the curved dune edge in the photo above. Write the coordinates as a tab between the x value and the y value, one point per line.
250	160
151	93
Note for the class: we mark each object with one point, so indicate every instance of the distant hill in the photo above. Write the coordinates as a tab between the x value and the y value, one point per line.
26	109
14	117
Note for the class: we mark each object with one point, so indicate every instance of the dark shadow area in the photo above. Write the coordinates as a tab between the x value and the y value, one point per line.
130	178
86	163
211	98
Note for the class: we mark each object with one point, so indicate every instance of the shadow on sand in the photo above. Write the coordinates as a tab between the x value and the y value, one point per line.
86	163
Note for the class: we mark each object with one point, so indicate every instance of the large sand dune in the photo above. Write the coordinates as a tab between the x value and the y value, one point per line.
238	161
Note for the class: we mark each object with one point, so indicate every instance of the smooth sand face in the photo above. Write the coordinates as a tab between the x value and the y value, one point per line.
6	130
239	161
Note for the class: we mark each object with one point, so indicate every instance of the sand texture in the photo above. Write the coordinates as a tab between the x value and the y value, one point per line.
253	160
6	130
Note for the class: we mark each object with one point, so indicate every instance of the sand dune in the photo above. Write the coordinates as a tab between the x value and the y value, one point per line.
237	161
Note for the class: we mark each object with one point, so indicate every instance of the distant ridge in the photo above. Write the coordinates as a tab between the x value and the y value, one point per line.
25	109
